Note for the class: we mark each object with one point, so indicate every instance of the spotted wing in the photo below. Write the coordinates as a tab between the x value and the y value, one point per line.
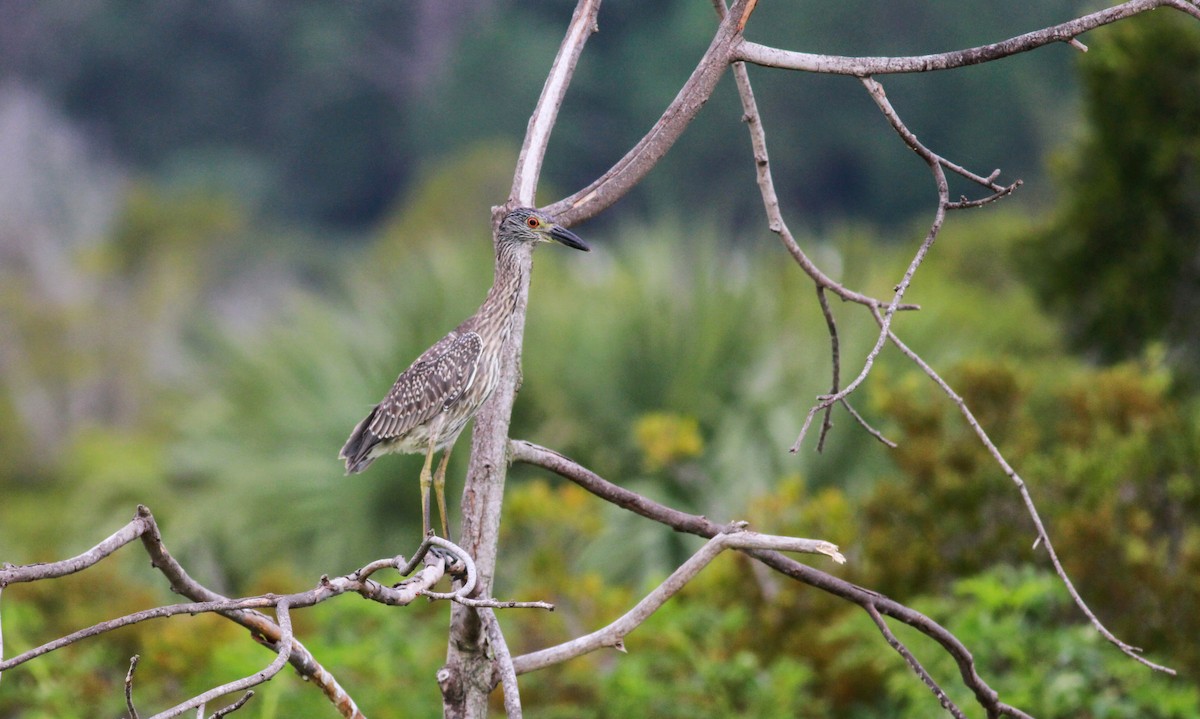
436	381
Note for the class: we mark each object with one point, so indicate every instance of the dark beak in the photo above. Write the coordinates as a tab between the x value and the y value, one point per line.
564	236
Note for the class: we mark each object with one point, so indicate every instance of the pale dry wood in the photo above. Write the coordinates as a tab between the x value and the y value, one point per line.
865	66
613	635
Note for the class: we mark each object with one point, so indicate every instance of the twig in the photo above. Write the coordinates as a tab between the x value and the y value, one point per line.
614	634
766	185
864	66
831	325
827	423
133	662
233	707
913	664
1043	537
284	620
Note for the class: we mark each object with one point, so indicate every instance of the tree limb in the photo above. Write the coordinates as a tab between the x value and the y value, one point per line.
988	698
865	66
613	635
630	169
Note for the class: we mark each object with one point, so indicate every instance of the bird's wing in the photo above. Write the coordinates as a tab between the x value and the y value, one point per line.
435	381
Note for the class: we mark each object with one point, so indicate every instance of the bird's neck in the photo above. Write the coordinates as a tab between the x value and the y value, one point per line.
513	261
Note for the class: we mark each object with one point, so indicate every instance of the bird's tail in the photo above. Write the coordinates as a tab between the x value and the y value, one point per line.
357	450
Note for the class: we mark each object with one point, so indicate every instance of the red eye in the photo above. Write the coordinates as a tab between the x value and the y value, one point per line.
533	222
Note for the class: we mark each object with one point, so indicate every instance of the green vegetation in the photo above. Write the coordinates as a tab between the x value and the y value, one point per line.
1119	260
323	110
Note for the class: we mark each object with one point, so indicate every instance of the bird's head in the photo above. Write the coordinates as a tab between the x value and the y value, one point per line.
525	224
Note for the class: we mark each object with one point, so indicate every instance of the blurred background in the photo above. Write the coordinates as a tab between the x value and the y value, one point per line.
225	226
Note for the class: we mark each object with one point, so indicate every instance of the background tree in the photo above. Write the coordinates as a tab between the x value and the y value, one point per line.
1121	261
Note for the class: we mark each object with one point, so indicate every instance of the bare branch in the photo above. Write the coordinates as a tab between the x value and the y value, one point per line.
504	663
630	169
864	66
133	662
12	574
537	134
1043	536
284	619
937	165
987	697
766	185
614	634
913	663
233	707
260	626
836	362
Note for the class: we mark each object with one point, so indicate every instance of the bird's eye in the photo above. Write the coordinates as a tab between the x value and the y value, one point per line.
533	222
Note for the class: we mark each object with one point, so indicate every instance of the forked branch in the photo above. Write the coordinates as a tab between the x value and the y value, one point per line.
987	697
734	536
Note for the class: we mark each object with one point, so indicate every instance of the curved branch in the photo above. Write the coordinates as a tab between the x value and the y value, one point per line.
987	697
631	168
260	626
864	66
263	675
1043	536
613	635
766	185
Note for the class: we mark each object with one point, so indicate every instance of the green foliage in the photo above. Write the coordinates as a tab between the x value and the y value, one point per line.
329	111
1118	262
1032	648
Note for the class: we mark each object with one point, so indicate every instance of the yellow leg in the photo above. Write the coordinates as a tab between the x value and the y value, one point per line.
439	489
425	481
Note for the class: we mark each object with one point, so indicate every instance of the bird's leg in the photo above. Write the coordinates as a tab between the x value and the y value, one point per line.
439	489
425	481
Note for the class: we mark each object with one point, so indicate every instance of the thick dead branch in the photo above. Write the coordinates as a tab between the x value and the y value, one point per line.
541	122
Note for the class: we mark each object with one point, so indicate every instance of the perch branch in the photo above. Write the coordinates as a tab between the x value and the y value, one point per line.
483	491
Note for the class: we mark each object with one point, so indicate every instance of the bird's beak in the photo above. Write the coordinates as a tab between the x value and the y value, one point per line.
564	236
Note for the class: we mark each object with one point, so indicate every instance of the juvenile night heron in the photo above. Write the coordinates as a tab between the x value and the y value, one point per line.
431	401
